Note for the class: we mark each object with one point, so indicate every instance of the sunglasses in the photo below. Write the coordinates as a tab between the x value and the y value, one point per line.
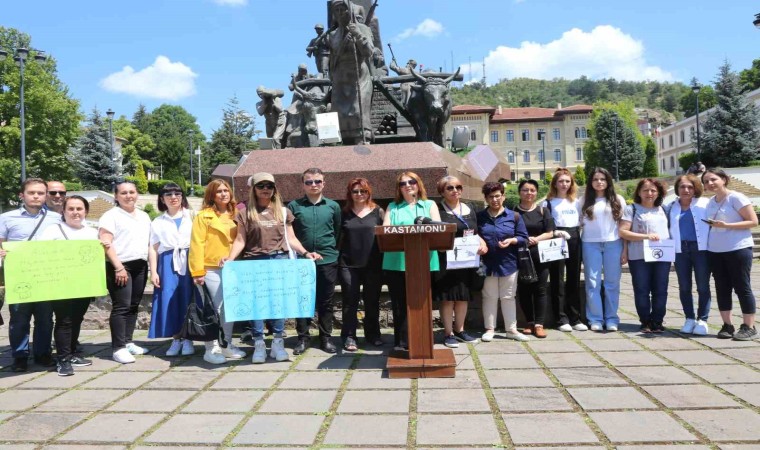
55	193
458	187
173	194
312	182
411	182
360	191
262	186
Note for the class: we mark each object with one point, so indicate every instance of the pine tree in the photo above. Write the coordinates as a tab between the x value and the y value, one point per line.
616	143
92	155
650	161
139	119
234	137
730	135
580	176
142	179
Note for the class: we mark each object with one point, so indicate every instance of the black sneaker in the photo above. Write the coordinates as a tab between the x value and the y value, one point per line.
78	361
726	331
64	368
644	328
45	360
450	341
745	333
657	327
20	365
464	337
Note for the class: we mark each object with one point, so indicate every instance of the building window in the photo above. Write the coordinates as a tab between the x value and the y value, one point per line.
663	164
540	156
670	140
662	143
584	135
527	175
579	154
555	134
526	156
511	157
683	136
473	135
525	135
692	133
672	162
494	136
540	134
512	175
541	175
557	155
510	135
577	133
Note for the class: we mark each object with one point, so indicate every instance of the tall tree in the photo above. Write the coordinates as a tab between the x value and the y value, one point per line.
138	147
174	131
707	99
140	118
233	138
614	133
730	136
750	78
650	158
92	154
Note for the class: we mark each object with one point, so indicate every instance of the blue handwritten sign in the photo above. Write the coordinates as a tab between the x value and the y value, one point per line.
269	289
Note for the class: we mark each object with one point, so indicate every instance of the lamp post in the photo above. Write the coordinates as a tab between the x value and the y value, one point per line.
21	56
542	136
110	113
617	163
695	87
756	22
3	55
190	146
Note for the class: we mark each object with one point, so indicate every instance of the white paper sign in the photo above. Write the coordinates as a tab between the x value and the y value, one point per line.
464	255
659	251
552	250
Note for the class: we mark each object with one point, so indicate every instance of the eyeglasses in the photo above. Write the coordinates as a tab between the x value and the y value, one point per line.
411	182
360	192
173	194
55	193
312	182
262	186
458	187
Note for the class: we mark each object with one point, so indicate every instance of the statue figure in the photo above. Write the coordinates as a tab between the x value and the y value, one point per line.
311	102
406	88
319	48
350	52
270	107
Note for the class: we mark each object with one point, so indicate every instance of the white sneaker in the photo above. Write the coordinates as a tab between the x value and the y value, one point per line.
580	326
123	356
596	327
175	348
487	336
187	347
700	328
136	349
688	326
278	350
612	327
516	335
213	354
565	327
259	352
232	352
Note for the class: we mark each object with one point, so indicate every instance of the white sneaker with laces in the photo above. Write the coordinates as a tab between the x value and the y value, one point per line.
232	352
123	356
487	336
187	347
259	352
136	349
175	348
688	326
517	336
580	327
213	354
700	328
565	327
278	352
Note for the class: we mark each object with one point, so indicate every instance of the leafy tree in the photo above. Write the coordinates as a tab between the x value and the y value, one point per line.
140	119
139	147
730	136
142	179
92	155
52	118
608	134
750	78
707	99
172	128
685	160
233	138
650	159
580	176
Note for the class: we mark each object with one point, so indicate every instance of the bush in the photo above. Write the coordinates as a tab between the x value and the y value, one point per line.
73	185
151	211
580	176
154	186
548	180
199	190
141	178
686	160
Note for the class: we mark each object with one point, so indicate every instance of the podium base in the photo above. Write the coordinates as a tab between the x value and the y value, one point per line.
442	365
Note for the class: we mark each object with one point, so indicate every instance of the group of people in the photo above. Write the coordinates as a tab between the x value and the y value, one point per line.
182	250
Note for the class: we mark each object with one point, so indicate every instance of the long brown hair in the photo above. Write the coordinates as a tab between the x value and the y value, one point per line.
571	192
363	184
253	202
589	198
208	196
420	186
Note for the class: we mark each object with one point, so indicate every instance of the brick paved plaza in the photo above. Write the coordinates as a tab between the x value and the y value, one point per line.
581	390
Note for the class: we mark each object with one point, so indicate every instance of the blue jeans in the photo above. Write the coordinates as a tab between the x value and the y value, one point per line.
19	326
276	325
650	278
602	258
692	260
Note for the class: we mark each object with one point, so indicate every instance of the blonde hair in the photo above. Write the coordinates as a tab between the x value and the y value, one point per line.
253	214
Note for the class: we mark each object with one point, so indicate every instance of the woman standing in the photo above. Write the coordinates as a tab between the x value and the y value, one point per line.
729	247
451	287
167	255
411	202
565	274
126	230
602	250
646	219
211	239
360	263
69	314
689	232
540	227
503	231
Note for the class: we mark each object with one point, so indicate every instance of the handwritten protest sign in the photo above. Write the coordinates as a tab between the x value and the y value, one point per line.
270	289
54	270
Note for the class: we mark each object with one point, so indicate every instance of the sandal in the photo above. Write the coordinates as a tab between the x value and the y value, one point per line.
350	345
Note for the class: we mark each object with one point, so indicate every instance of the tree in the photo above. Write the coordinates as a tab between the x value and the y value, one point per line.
650	159
730	136
580	176
233	138
140	118
139	147
606	136
141	178
174	131
52	118
707	99
750	78
92	155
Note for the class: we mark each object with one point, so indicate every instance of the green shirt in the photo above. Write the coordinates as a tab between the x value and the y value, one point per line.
317	226
404	214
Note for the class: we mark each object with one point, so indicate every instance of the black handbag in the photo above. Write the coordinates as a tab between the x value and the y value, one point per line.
527	271
202	321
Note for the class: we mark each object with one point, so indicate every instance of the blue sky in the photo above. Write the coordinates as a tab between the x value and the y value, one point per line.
199	53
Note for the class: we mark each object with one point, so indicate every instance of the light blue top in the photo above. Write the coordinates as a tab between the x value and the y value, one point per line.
701	229
18	224
723	240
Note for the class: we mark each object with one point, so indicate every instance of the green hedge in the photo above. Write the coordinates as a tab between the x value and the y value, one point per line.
73	185
154	186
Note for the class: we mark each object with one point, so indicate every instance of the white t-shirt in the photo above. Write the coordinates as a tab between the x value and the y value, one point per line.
131	234
602	228
721	240
647	221
564	212
54	233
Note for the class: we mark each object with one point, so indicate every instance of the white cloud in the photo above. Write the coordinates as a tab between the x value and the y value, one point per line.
231	2
605	52
163	80
428	28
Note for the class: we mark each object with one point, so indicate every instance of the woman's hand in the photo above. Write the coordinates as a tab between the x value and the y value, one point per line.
563	234
106	244
222	261
482	249
532	241
121	277
653	237
156	280
718	224
507	242
624	258
314	256
199	280
3	253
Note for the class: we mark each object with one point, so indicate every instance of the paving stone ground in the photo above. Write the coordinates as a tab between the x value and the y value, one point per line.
579	390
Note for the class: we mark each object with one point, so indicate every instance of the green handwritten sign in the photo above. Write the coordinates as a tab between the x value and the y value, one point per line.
38	271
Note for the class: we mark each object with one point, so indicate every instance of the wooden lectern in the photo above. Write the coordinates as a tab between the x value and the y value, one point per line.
416	241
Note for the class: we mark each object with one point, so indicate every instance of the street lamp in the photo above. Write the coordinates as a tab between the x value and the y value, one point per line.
542	136
21	56
617	163
3	55
110	113
757	20
695	87
190	147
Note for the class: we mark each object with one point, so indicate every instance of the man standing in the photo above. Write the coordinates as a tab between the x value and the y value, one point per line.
317	226
22	225
56	194
406	88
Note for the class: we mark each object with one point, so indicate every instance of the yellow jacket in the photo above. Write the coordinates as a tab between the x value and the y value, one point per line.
210	241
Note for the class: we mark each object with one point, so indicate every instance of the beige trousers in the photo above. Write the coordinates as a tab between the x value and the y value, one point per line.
500	290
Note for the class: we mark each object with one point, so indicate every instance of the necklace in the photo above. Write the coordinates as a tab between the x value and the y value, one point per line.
526	210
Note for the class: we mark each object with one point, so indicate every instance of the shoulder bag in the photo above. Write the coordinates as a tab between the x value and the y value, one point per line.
202	321
526	269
